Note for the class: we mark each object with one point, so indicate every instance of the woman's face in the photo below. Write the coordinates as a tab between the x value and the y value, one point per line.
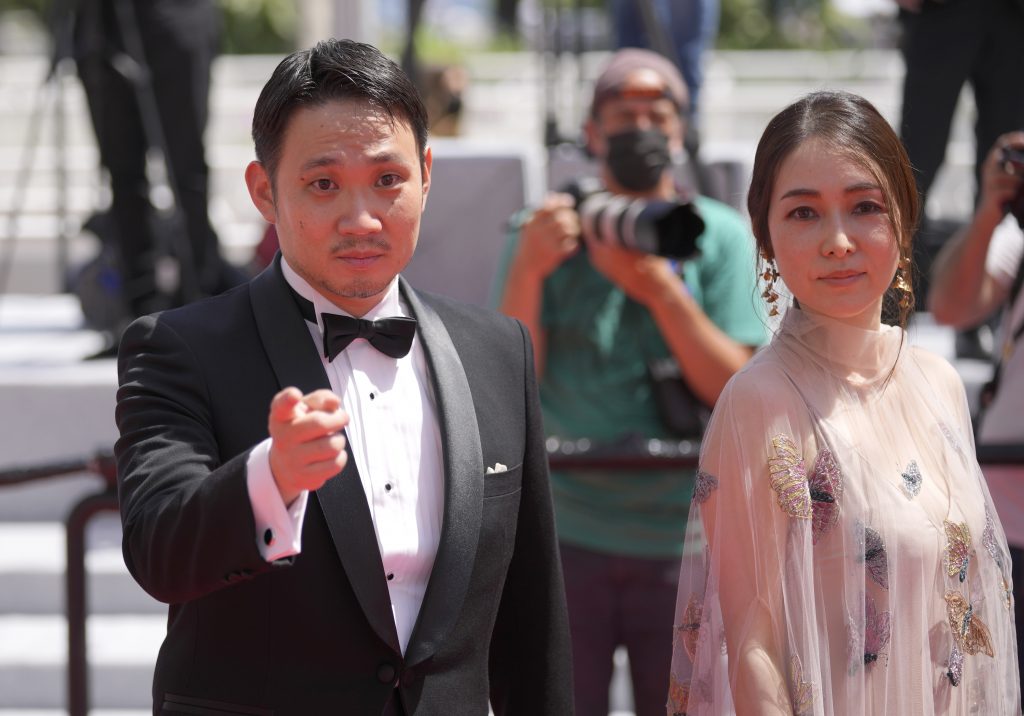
831	233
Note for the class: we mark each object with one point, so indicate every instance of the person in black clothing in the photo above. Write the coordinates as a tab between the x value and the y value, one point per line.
134	56
945	44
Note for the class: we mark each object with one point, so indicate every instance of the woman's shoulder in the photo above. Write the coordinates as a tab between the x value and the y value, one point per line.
935	369
765	389
764	376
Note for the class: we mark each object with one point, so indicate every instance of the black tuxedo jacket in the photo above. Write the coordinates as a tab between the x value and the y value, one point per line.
314	634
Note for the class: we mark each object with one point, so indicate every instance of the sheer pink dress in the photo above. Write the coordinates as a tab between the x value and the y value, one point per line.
843	555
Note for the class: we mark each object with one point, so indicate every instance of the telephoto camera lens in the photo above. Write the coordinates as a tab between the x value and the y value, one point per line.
665	228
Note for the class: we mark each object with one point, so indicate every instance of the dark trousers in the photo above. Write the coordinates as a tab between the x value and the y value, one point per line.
617	600
948	44
179	39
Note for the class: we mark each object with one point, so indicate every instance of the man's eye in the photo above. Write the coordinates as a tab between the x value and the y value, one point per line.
323	184
389	180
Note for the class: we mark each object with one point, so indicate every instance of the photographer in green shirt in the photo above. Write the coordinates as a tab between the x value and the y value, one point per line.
601	315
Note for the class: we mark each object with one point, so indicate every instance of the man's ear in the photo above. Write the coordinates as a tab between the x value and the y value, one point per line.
428	163
594	139
260	191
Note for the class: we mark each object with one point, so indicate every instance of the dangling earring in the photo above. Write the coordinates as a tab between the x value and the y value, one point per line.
770	295
902	285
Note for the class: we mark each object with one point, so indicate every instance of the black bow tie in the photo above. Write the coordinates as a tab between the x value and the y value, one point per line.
391	336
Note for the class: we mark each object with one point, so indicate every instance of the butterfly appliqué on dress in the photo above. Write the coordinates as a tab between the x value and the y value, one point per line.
988	539
678	696
801	693
958	549
873	554
954	441
955	667
789	479
876	632
826	487
818	494
866	641
689	631
912	479
705	485
969	632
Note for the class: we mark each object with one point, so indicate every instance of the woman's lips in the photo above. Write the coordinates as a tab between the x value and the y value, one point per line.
842	278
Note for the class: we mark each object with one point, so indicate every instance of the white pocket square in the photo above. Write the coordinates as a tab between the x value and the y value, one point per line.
498	467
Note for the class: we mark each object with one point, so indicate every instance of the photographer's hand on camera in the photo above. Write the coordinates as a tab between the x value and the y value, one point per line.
962	293
1001	179
645	278
549	236
547	239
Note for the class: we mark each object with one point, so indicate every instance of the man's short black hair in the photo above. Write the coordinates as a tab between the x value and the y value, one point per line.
333	70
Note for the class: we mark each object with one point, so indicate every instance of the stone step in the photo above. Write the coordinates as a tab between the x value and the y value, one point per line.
33	575
121	651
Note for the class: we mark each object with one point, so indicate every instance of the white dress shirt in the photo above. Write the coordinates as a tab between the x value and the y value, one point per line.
395	438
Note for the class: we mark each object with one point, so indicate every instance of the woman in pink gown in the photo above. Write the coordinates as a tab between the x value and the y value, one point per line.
843	554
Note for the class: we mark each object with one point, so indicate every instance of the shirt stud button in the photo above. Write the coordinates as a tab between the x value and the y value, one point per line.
268	537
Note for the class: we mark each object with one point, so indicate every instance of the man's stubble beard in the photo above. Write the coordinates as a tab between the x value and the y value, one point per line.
356	288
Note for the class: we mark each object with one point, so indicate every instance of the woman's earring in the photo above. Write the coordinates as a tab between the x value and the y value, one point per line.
770	295
902	285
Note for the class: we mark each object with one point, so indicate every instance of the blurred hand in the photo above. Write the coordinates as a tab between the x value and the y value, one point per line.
1000	181
550	235
308	447
643	277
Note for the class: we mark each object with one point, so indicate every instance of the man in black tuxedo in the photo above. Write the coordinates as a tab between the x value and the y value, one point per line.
345	515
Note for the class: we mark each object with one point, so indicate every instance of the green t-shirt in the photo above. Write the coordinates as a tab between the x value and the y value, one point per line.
596	384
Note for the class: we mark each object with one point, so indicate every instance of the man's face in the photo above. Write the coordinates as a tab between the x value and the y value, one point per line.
346	199
640	104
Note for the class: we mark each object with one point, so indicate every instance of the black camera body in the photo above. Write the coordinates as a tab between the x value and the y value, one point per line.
1013	161
664	228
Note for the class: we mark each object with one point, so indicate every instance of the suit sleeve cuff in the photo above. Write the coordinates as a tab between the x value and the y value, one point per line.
278	527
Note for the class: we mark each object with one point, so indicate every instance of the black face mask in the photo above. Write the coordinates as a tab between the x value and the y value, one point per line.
637	158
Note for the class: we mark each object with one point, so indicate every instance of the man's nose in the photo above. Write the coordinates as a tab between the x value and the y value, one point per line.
358	216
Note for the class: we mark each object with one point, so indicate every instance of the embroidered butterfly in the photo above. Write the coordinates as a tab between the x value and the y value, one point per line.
954	441
801	693
988	538
876	559
705	485
912	479
955	668
689	631
854	646
789	479
876	631
958	549
678	696
969	632
826	487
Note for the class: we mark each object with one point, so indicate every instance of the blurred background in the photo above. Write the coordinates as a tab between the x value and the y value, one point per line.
506	83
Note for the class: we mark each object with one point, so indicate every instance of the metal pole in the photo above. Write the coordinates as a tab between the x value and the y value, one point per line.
77	606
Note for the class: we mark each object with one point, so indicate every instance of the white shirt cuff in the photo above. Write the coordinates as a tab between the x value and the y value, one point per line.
278	528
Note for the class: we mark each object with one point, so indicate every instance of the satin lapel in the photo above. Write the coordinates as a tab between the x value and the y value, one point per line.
285	338
463	485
